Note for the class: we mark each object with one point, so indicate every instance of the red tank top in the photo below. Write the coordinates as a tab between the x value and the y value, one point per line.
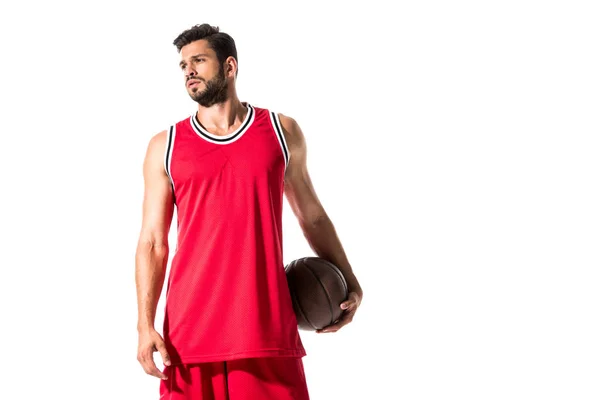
227	295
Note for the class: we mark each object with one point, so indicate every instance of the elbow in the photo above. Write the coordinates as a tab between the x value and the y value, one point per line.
157	248
316	220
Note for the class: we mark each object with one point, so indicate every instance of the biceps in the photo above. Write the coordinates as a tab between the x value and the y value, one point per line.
158	206
158	211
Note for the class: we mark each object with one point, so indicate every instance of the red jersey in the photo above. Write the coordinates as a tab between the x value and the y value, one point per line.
227	295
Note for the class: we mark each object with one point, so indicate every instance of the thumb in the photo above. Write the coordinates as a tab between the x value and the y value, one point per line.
163	352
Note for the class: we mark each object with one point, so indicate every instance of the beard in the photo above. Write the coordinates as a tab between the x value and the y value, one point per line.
214	93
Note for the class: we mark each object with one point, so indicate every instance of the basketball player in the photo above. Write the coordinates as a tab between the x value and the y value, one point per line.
230	331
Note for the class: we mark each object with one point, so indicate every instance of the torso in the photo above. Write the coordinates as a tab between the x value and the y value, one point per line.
227	294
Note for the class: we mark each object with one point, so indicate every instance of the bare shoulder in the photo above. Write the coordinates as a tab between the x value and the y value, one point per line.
155	151
296	143
293	134
158	140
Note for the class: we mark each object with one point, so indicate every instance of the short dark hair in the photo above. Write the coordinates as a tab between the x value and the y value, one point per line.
222	43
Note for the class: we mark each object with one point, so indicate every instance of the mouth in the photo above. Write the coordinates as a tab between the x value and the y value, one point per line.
193	83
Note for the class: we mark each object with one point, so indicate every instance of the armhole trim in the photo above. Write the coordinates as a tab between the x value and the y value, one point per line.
169	154
280	137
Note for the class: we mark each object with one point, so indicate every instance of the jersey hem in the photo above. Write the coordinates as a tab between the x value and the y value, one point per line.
245	354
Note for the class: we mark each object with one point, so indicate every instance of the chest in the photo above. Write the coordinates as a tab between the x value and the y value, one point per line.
255	157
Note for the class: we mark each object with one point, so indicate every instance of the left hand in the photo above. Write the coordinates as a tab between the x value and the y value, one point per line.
349	306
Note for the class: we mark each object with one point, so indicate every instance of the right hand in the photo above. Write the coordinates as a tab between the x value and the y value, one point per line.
149	342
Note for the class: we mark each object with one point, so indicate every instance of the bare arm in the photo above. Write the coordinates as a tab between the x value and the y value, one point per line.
153	247
152	252
314	221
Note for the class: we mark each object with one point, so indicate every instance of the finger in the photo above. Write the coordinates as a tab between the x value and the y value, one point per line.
163	353
344	320
351	302
338	326
348	305
322	330
328	326
152	370
149	366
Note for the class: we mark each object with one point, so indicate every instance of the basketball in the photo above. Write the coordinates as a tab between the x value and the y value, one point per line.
317	288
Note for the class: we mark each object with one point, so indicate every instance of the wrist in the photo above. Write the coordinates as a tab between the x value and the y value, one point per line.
145	327
356	289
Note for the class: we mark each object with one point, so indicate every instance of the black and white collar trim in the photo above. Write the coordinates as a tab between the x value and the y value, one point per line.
232	137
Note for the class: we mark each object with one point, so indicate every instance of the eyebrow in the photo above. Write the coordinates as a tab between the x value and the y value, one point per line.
194	56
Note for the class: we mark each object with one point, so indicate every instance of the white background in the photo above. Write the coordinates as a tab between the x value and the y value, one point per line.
453	144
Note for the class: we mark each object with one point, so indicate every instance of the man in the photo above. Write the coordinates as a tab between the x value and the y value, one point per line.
229	329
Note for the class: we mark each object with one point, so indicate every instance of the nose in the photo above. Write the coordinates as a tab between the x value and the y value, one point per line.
189	72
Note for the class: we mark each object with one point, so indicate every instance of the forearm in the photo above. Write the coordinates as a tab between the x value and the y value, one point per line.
323	239
150	268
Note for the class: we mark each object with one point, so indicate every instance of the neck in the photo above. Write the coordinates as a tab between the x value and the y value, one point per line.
221	117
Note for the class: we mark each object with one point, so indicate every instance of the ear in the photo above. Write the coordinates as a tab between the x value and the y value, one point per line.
230	66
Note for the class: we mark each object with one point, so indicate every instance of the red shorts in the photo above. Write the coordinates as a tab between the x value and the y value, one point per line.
280	378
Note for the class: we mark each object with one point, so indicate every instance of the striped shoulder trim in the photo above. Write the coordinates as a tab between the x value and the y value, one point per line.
280	136
169	153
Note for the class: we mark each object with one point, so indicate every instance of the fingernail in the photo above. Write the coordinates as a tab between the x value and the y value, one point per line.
344	306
